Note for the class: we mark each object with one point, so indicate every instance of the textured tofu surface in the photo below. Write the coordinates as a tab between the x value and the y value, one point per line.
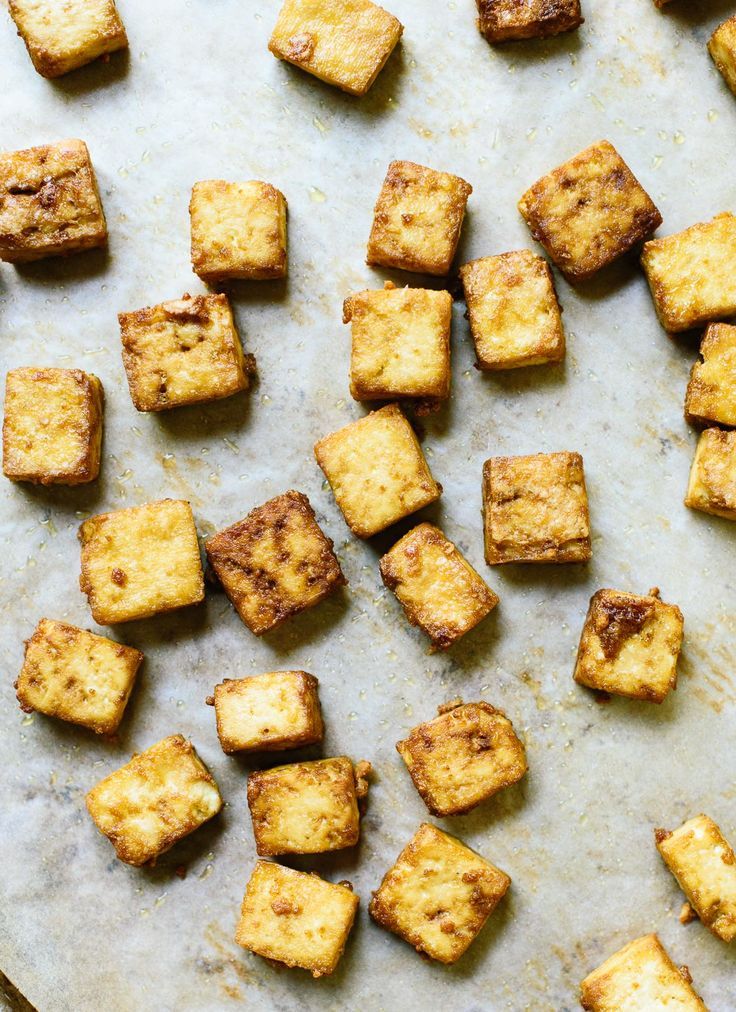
377	471
61	35
160	796
275	562
438	589
513	310
712	484
52	427
77	676
417	219
296	918
277	710
342	42
502	20
589	211
722	47
535	509
711	392
238	230
140	561
462	757
438	895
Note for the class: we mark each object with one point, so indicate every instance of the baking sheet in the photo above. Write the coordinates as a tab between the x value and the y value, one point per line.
198	97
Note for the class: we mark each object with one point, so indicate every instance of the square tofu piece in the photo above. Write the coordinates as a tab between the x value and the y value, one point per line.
711	392
463	757
712	485
139	561
238	231
377	471
535	509
704	864
630	645
74	675
503	20
722	47
267	713
641	977
417	219
513	311
342	42
183	352
52	431
275	563
589	211
153	801
296	918
61	35
438	895
438	589
400	344
307	808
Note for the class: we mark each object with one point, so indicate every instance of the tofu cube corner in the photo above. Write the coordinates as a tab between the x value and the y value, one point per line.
507	20
711	392
61	36
270	712
712	484
722	48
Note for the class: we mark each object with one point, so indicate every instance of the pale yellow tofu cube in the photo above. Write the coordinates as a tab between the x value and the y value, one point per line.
504	20
61	35
711	392
712	484
722	47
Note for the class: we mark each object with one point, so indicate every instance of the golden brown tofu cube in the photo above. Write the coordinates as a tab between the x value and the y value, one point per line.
641	977
503	20
296	918
49	203
183	352
76	676
275	562
711	392
722	47
438	589
513	311
589	211
417	219
238	231
377	471
712	485
139	561
52	430
160	796
267	713
535	509
438	895
61	35
463	757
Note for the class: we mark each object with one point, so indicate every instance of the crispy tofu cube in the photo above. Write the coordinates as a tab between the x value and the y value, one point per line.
49	203
463	757
77	676
438	895
589	211
377	471
417	219
238	231
722	47
61	35
711	392
268	713
535	509
513	311
160	796
52	430
503	20
712	485
438	589
296	918
139	561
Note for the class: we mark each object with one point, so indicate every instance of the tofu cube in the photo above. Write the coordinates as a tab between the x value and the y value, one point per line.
630	645
49	203
504	20
513	311
296	918
183	352
463	757
140	561
704	864
160	796
268	713
275	562
438	895
61	35
589	211
438	589
535	509
77	676
377	471
712	485
238	231
722	47
641	977
417	219
711	392
52	430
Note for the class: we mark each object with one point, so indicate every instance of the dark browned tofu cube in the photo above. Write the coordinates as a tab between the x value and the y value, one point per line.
504	20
